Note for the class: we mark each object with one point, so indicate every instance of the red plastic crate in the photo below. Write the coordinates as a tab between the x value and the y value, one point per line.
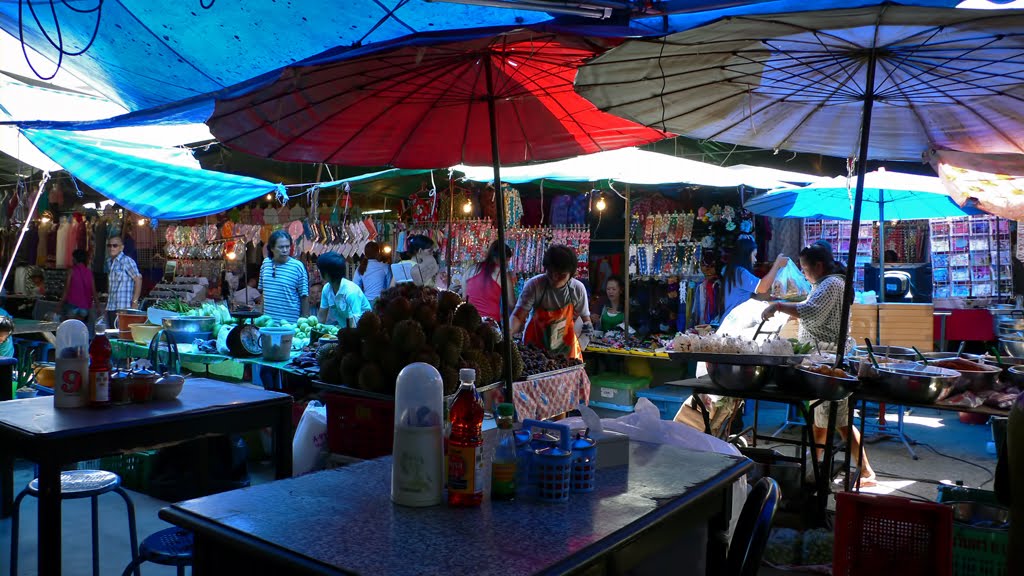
358	426
891	535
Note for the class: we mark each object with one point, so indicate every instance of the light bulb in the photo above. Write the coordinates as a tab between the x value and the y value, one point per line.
387	249
467	207
232	255
270	196
142	221
601	205
44	219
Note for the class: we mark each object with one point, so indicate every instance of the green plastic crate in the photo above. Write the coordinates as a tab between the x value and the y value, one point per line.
616	391
976	551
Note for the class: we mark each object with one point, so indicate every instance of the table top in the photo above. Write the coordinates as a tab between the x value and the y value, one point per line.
23	326
344	520
37	416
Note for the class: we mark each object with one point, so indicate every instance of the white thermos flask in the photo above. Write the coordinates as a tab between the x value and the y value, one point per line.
417	461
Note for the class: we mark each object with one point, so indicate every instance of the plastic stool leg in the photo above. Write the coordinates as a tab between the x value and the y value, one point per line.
95	503
133	566
132	533
15	521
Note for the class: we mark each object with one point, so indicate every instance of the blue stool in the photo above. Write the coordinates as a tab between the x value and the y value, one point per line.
170	547
79	484
45	352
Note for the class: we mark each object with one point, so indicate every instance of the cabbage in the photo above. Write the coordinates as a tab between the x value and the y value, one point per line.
817	547
784	546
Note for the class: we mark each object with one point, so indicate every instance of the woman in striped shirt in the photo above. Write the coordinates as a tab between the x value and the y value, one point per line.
284	282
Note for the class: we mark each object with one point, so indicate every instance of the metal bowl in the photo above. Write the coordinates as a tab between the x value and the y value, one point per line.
1016	375
980	515
190	324
894	352
801	382
739	378
976	380
948	355
1012	347
911	383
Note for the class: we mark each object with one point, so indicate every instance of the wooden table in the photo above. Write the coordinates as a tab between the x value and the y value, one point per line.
34	430
343	522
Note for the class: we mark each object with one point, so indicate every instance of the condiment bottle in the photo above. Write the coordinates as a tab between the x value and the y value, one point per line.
417	462
71	389
99	371
503	465
465	444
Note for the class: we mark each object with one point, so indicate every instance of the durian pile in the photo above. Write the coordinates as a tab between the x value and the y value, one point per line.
415	324
537	360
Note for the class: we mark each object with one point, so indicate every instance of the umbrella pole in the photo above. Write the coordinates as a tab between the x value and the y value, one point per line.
625	268
881	263
858	198
499	199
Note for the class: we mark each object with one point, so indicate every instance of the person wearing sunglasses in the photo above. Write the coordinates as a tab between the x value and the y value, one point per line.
284	281
124	282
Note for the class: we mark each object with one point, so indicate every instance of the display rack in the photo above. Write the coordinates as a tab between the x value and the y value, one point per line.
837	233
971	257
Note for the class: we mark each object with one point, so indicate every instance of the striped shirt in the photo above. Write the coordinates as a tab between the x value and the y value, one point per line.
122	272
282	286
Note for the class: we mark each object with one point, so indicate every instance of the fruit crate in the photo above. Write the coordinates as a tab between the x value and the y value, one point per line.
360	424
891	535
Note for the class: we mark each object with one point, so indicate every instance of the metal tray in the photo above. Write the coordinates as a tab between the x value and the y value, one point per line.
738	359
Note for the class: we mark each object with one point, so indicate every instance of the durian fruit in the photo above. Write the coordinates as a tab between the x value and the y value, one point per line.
497	365
350	341
447	302
399	309
450	355
518	367
427	354
426	316
325	352
487	336
448	336
370	378
369	325
467	317
375	347
478	360
450	377
330	368
408	335
350	367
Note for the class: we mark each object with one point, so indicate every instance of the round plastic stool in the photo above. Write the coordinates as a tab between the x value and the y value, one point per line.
170	547
76	484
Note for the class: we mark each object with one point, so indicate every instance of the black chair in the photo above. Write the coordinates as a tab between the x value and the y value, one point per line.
752	529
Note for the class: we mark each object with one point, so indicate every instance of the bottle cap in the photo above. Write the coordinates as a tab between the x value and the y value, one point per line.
506	409
467	375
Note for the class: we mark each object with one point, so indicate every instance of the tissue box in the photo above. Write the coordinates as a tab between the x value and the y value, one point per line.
612	449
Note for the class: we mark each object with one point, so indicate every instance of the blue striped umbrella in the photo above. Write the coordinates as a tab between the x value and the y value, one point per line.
153	189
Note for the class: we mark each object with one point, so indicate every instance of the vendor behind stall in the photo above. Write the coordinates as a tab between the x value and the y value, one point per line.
483	288
820	316
283	281
739	280
550	304
372	276
340	295
613	313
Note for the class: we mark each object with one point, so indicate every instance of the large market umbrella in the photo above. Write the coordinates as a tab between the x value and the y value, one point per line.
504	97
820	81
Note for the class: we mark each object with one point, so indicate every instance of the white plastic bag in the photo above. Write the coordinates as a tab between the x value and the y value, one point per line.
790	283
309	446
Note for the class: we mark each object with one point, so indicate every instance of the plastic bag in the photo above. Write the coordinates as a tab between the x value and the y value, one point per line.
309	446
790	283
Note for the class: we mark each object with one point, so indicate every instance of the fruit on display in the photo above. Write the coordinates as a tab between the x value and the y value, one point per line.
415	324
537	360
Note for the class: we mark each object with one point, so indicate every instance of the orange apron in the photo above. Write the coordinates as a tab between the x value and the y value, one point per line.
555	331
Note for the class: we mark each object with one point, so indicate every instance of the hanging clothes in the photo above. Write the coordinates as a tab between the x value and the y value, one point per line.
31	244
99	254
60	254
145	237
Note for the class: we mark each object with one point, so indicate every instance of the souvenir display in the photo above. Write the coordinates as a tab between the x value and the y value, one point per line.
971	257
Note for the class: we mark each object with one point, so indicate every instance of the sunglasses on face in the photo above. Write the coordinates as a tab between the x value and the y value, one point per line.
113	245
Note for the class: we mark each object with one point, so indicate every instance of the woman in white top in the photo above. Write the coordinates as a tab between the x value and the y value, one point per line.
373	276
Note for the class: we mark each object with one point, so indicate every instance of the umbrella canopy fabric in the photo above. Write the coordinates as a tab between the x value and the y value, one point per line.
943	78
899	196
994	182
629	165
425	106
154	189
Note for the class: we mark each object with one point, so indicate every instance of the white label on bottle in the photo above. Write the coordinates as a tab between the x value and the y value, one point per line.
99	386
416	466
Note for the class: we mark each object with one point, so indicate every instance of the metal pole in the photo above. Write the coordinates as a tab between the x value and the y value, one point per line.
625	264
499	199
881	264
449	239
858	198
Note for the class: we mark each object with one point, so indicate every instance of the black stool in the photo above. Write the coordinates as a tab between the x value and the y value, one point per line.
170	547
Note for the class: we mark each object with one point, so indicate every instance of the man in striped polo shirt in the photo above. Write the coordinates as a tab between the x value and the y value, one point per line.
283	281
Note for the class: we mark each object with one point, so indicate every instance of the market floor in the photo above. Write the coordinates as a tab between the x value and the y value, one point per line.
898	474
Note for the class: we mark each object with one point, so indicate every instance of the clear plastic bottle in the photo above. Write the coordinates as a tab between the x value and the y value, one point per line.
503	465
465	444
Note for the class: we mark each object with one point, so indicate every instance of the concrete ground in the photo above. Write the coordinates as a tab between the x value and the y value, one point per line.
898	474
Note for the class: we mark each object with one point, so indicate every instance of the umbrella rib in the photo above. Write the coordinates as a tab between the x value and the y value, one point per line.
994	127
936	66
914	110
802	75
838	63
469	115
979	87
953	79
897	66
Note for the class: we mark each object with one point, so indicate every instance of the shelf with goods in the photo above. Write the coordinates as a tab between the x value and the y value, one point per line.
837	233
971	257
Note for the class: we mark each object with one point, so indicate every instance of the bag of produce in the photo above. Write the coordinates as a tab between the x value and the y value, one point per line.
790	283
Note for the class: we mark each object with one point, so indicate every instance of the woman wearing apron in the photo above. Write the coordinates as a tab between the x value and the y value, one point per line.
550	304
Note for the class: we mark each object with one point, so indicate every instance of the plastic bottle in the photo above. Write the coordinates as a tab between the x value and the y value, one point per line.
417	472
465	444
503	465
71	390
99	371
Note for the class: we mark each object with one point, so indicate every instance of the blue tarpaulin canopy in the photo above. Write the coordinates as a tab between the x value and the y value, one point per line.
156	190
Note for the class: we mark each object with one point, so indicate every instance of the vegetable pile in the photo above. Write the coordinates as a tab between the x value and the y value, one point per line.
415	324
303	327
